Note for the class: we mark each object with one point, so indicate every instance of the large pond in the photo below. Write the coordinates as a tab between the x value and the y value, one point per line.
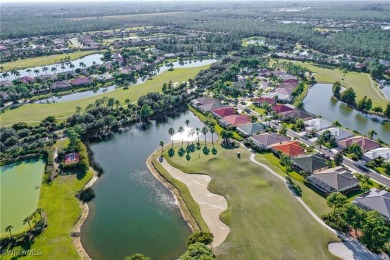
319	101
88	60
20	185
133	212
90	93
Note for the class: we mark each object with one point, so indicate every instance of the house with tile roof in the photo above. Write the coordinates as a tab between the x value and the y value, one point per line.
383	152
266	140
281	109
80	81
364	143
378	200
211	106
336	179
317	124
236	120
337	132
290	148
251	129
222	112
310	163
294	114
262	100
203	101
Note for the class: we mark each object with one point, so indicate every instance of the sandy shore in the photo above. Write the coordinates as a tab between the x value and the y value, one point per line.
84	214
211	205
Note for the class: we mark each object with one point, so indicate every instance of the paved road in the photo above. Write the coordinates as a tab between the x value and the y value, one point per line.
348	162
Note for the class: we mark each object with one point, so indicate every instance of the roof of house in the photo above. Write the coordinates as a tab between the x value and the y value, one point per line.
298	114
211	106
332	180
237	119
311	162
291	148
338	133
204	100
268	139
375	199
383	152
80	81
261	100
365	143
60	84
224	111
282	109
250	129
317	123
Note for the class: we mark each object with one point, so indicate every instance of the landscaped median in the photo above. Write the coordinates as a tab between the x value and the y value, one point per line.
265	220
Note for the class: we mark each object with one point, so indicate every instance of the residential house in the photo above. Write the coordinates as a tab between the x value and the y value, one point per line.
60	85
337	132
251	129
290	148
203	101
295	113
281	109
210	107
317	124
26	79
364	143
336	179
378	200
310	163
5	83
222	112
236	120
262	100
383	152
80	82
266	140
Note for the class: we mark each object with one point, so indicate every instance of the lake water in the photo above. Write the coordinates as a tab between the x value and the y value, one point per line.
90	93
20	185
133	212
318	101
87	60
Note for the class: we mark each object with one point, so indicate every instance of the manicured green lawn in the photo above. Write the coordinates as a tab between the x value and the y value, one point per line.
259	110
315	201
44	60
360	82
37	112
266	221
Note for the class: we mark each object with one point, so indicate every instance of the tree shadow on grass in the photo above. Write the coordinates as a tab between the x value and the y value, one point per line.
181	152
171	152
206	150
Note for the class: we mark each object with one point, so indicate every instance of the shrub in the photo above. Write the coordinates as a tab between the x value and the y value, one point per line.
86	195
201	237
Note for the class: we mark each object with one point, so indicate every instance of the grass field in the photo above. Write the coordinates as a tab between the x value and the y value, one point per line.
259	110
266	221
36	112
360	82
63	210
44	60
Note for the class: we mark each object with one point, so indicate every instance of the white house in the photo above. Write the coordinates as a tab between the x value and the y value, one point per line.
317	124
383	152
338	133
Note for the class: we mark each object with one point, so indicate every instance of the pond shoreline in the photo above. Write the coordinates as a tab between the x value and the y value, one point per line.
186	214
84	214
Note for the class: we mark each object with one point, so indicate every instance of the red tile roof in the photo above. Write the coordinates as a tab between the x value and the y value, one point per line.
261	100
238	119
290	148
222	112
365	143
282	109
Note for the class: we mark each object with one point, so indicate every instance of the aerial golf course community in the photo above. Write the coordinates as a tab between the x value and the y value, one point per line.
195	130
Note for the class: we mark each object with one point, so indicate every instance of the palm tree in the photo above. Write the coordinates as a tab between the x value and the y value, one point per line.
45	69
63	67
192	133
181	130
78	109
39	211
27	220
286	160
162	147
371	133
197	132
29	71
5	75
171	132
205	130
187	122
212	131
336	123
36	71
71	66
53	69
8	229
82	64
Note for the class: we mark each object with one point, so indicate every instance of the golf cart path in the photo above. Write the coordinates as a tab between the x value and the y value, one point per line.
350	249
211	205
